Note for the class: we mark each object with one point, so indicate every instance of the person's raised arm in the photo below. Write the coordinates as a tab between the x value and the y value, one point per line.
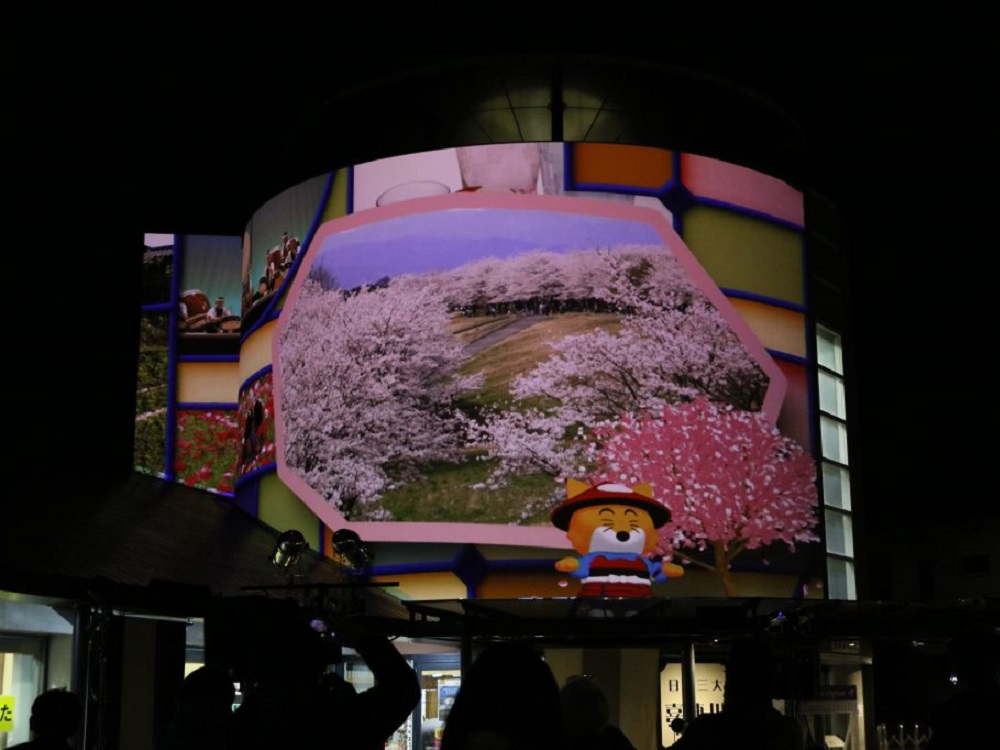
381	709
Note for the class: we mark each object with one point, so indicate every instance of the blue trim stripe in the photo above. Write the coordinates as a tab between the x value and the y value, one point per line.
610	187
752	213
209	358
255	474
794	359
265	370
413	568
170	449
350	191
763	299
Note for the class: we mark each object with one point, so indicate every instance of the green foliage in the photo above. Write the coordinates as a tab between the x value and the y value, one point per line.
208	444
455	492
150	453
156	274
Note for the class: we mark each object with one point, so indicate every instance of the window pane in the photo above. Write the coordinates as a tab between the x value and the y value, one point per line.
833	437
831	394
828	350
840	574
836	486
839	533
21	676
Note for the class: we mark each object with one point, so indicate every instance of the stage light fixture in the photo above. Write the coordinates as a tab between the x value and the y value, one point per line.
349	546
288	548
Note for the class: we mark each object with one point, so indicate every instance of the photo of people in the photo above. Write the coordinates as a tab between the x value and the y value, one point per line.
256	423
209	283
272	244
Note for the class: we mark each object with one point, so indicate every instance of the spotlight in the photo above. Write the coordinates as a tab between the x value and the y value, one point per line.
348	545
290	545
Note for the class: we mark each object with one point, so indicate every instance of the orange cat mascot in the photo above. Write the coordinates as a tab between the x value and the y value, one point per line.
613	529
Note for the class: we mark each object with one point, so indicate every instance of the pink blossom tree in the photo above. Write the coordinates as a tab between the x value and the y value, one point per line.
369	388
731	479
671	346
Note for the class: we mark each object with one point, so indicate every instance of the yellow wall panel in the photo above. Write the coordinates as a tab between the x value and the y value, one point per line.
208	382
564	662
255	353
521	583
746	253
336	205
705	583
280	509
639	695
421	586
777	328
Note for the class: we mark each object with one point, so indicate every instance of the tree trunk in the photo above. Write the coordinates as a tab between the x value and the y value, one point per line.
722	568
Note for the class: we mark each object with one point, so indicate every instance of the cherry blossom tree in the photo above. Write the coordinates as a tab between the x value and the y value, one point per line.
369	385
731	479
555	276
672	346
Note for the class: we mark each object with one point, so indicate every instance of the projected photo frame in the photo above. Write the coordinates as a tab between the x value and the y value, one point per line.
271	246
256	425
153	362
208	321
441	362
206	448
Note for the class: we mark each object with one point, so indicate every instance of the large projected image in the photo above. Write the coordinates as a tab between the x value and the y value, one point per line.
428	348
443	364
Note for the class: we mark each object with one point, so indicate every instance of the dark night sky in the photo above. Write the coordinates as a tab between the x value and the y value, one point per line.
120	124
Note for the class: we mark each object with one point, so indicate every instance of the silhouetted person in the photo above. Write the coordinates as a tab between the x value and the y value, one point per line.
203	717
747	720
55	716
968	717
291	702
261	290
586	715
508	700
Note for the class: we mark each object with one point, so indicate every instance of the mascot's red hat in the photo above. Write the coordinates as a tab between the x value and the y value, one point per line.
582	495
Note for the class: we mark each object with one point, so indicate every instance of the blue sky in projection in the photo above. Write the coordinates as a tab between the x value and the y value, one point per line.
441	240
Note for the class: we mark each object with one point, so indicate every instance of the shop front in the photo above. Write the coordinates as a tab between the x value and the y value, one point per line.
37	652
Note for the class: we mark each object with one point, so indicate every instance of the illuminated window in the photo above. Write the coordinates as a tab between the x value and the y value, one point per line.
839	522
839	533
833	435
840	574
829	353
836	486
831	394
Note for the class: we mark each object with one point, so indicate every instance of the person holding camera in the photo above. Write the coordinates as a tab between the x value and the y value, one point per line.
292	700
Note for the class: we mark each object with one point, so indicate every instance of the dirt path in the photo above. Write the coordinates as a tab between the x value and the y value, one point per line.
495	337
